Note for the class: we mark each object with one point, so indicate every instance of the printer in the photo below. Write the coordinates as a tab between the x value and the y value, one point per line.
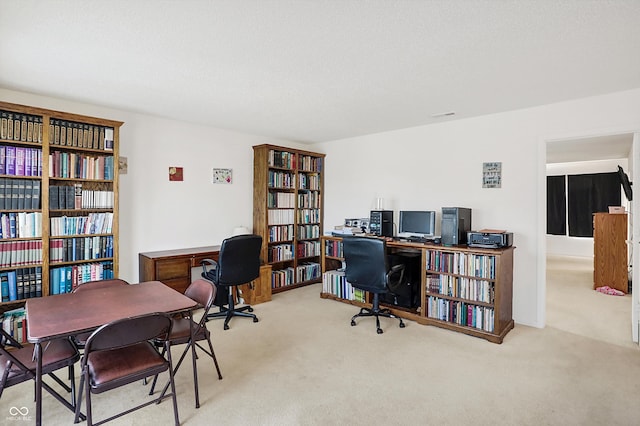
489	239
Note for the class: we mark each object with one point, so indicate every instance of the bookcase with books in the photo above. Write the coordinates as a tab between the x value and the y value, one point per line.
287	213
58	202
464	289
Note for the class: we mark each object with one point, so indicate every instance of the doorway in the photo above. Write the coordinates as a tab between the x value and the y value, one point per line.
571	303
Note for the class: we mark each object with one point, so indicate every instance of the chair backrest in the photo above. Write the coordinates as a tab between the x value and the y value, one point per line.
366	263
203	292
92	285
129	331
239	260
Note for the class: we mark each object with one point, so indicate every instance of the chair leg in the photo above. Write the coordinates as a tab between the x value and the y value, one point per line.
215	360
173	386
155	378
79	401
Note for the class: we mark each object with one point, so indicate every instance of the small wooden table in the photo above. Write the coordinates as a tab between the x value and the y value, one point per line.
69	314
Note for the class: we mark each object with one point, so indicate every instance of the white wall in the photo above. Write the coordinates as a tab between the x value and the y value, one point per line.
156	214
580	246
440	165
423	167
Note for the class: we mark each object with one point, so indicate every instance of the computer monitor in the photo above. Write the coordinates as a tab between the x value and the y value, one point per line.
417	223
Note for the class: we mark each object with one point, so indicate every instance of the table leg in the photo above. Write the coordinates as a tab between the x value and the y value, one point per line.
38	355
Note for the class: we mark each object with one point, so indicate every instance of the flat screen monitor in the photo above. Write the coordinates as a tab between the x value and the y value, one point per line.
417	223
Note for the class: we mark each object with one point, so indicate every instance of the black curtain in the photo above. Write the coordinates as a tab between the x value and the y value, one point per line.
556	205
588	194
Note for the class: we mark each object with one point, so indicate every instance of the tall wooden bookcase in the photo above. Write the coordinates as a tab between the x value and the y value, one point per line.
610	265
58	201
288	213
464	289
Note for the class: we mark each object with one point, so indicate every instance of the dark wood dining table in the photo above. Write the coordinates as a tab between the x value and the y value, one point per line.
69	314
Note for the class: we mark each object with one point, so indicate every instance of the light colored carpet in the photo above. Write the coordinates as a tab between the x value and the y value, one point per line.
303	364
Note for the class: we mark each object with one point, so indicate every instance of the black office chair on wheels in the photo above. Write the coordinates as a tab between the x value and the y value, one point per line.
238	263
367	269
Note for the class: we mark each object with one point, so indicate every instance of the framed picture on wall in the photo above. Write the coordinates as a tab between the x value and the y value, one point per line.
492	175
222	176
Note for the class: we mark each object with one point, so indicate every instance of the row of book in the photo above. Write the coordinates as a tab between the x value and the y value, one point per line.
471	264
310	182
66	278
457	312
289	276
308	249
19	194
280	253
335	283
95	223
20	127
281	200
280	216
307	272
333	248
74	197
280	233
80	166
308	231
282	159
23	283
80	135
309	200
20	225
310	164
281	180
309	215
80	248
14	323
462	287
20	161
20	253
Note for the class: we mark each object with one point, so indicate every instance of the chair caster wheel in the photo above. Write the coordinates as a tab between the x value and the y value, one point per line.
379	331
255	320
402	325
250	309
353	323
226	327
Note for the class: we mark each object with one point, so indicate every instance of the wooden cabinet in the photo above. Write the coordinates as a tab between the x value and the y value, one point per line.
173	267
610	266
58	200
464	289
287	212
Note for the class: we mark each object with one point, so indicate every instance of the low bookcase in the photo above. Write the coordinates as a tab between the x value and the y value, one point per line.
464	289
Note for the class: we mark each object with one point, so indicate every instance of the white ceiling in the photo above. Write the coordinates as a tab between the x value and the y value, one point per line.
313	71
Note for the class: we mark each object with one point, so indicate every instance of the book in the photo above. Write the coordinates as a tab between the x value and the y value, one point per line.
70	197
38	272
10	160
3	157
20	153
2	185
23	128
77	196
3	125
15	193
20	284
4	286
35	195
16	127
55	281
21	193
13	286
53	198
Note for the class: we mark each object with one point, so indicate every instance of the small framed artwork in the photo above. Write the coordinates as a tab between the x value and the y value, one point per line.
492	175
175	174
222	176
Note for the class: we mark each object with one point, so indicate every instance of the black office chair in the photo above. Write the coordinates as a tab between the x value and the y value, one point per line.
366	269
238	263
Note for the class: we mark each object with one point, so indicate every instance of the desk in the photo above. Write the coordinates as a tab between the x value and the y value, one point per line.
69	314
173	267
464	289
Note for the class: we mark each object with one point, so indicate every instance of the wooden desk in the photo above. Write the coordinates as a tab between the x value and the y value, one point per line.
173	267
69	314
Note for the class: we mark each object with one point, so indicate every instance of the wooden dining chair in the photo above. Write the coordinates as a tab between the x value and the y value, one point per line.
120	353
203	292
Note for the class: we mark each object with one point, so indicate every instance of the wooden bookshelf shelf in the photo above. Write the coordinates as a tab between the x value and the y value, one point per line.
288	213
29	161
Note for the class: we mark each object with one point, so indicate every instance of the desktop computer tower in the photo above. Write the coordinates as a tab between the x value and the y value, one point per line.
456	222
381	223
